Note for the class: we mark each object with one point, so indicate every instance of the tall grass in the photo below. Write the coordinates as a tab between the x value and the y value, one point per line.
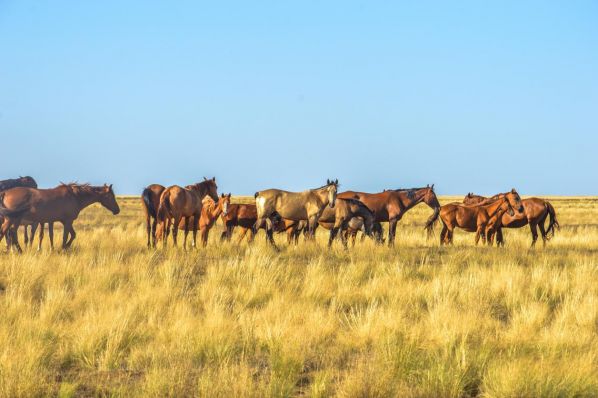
111	317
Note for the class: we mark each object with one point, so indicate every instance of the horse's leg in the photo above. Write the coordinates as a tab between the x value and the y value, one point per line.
175	229
270	233
25	235
41	237
187	232
195	228
500	241
543	233
34	227
478	233
153	232
51	234
532	226
70	231
14	237
392	228
443	234
148	228
333	232
242	235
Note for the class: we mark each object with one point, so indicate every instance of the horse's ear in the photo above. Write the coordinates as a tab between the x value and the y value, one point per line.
205	179
336	181
432	187
229	195
327	181
110	187
513	190
214	179
222	195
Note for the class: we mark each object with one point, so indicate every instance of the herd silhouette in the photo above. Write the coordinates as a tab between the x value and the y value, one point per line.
196	208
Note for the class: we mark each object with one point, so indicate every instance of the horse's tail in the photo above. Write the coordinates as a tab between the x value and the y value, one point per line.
164	208
553	223
146	195
6	212
429	227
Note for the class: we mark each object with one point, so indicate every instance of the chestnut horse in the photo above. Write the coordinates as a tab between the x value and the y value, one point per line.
340	217
210	211
475	218
178	203
535	212
150	200
390	206
62	204
295	206
244	216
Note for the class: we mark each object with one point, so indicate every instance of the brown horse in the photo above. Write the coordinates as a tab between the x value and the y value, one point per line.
244	216
178	203
340	217
535	212
296	206
150	199
62	204
475	218
390	206
209	214
26	182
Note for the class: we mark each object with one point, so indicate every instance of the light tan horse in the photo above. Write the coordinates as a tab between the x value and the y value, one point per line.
475	218
178	203
295	206
62	204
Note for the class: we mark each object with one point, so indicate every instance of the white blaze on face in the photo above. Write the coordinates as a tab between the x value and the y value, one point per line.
225	208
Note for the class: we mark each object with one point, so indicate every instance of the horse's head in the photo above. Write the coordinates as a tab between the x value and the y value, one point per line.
27	181
430	197
224	202
212	188
514	201
108	200
331	187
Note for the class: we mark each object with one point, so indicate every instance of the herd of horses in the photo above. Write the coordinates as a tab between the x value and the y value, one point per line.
195	208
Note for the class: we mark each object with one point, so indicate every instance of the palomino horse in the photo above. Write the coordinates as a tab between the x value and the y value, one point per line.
475	218
296	206
340	217
150	199
210	212
244	216
535	212
178	203
26	182
62	204
390	206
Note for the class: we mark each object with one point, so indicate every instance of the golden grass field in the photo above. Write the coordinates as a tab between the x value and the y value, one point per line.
112	318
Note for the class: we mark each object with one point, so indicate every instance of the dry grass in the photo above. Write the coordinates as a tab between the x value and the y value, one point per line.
113	318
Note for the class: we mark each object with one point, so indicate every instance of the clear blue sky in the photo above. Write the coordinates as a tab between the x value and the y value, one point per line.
471	96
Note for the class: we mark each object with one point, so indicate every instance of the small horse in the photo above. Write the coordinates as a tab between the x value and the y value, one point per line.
244	216
63	204
339	218
295	206
209	214
535	214
178	203
475	218
391	205
150	200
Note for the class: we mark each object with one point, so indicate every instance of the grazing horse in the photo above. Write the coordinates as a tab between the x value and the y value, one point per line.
150	199
296	206
62	204
475	218
390	206
339	218
178	203
244	216
535	212
209	214
26	182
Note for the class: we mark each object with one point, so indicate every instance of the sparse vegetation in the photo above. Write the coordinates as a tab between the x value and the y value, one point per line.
111	317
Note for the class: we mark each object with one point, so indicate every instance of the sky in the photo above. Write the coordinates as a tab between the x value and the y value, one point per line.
470	96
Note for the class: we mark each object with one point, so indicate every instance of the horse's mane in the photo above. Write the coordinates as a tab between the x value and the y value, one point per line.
77	188
202	184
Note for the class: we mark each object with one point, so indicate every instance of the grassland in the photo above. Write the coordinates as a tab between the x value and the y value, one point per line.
111	317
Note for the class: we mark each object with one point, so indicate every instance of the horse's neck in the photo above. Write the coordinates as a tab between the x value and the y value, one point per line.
85	199
212	213
494	207
322	195
408	202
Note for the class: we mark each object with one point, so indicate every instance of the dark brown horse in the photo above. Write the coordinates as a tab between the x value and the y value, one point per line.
475	218
178	203
536	211
61	204
390	206
244	216
338	219
26	182
150	200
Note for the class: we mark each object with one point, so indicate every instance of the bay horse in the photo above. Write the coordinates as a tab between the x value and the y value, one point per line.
26	182
178	203
210	212
244	216
295	206
61	204
391	205
475	218
536	211
340	217
150	200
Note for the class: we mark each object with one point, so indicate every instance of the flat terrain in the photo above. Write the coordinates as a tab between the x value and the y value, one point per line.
111	317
